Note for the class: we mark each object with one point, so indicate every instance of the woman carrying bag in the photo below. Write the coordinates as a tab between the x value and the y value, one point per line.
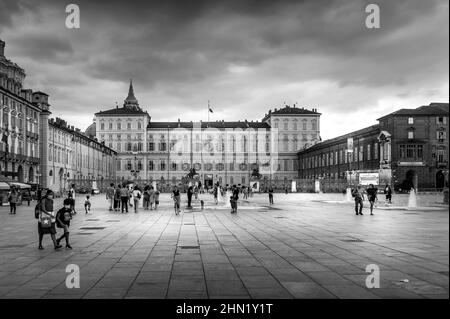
47	220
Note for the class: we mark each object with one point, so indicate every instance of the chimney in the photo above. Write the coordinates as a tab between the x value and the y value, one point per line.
2	48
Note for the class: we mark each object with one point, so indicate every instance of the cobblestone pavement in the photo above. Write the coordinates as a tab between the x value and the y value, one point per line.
301	247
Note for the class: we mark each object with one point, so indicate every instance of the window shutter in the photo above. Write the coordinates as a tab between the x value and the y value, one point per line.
445	120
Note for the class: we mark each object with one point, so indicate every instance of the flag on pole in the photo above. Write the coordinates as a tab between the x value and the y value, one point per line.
209	108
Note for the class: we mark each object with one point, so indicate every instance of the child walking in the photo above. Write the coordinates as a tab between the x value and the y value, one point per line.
87	204
63	217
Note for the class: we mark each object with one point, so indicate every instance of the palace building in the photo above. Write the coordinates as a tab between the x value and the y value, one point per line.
227	152
407	148
36	149
19	119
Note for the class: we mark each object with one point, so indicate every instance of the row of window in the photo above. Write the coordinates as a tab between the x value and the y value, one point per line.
17	106
19	149
161	165
119	126
440	120
368	152
304	125
441	135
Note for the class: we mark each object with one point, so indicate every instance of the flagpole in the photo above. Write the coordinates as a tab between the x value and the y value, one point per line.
208	113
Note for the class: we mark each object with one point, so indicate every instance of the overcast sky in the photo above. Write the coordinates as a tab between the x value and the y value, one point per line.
245	56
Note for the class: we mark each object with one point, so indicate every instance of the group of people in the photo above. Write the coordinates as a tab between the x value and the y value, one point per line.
372	196
122	196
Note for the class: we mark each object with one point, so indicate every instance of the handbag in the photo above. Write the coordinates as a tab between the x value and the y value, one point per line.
46	222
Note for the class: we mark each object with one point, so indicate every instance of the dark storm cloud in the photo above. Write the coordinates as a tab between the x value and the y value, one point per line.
248	56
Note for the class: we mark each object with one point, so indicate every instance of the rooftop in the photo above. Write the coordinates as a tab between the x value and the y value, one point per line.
337	140
291	110
122	111
432	109
216	124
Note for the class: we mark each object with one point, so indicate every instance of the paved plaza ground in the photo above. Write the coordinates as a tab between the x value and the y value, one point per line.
304	246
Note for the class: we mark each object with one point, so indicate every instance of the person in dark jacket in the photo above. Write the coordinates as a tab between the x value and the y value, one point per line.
63	217
270	195
234	199
372	196
47	220
190	192
13	199
388	193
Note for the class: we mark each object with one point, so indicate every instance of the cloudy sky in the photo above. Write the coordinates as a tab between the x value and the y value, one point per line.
245	56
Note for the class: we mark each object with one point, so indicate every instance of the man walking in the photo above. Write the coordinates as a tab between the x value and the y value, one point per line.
110	196
372	196
270	195
359	198
234	199
190	192
124	198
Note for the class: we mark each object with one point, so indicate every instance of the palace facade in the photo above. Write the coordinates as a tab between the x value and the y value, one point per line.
407	148
37	149
19	124
236	152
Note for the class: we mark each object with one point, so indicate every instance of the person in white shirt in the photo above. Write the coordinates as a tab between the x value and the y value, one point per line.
137	194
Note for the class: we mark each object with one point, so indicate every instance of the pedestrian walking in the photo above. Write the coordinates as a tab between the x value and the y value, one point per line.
72	195
271	195
63	217
216	194
26	195
47	220
156	199
146	197
234	199
388	193
13	198
245	191
190	192
124	197
136	194
110	196
87	204
117	198
359	198
152	197
372	196
176	199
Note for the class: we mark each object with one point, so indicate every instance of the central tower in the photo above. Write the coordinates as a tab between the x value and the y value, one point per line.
131	102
